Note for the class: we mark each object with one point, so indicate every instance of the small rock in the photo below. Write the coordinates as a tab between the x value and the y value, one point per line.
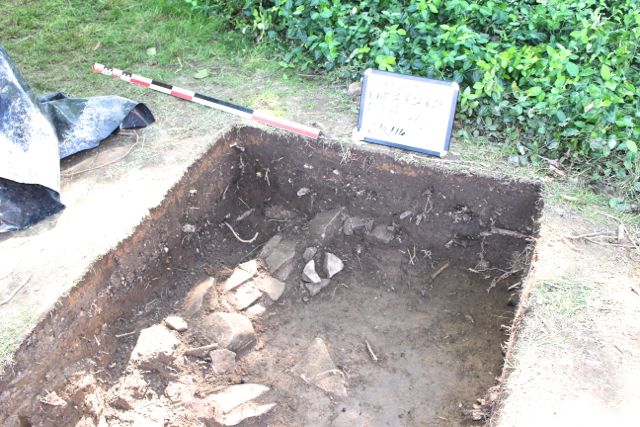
176	323
354	89
325	224
309	273
271	244
246	411
120	402
232	331
318	368
382	234
155	348
332	264
303	191
309	253
405	214
315	288
245	295
235	395
354	223
222	361
237	278
188	228
270	286
193	301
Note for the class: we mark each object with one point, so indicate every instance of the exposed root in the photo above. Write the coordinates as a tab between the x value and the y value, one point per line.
15	292
240	239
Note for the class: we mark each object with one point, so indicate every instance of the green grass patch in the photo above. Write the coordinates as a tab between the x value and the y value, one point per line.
55	42
556	78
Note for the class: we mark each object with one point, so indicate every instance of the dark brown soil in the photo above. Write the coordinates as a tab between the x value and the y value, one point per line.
431	304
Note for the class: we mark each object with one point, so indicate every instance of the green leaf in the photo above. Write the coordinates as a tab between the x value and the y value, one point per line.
151	51
534	91
201	74
605	72
632	147
572	69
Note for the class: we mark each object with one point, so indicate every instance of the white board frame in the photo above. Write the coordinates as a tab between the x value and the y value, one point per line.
441	147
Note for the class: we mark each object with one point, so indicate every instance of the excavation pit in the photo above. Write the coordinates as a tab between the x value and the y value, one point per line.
407	331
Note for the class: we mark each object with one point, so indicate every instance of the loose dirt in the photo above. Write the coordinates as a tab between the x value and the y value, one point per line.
408	332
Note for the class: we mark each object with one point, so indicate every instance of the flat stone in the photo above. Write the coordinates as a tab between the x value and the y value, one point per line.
317	368
285	271
245	295
237	278
355	223
176	323
309	253
232	331
270	286
155	348
250	267
315	288
222	361
278	212
309	274
246	411
280	257
326	224
283	252
256	310
235	395
382	234
192	304
332	264
270	246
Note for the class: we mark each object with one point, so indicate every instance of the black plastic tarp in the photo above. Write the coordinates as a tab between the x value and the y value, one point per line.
35	133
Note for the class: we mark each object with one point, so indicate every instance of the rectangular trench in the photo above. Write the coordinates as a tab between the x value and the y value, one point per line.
407	332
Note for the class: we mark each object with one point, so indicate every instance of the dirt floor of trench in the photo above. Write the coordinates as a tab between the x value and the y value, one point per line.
408	331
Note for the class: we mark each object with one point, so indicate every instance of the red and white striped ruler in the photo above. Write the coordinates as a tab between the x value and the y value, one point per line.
189	95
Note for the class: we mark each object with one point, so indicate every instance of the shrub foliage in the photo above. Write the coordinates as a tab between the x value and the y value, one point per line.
557	78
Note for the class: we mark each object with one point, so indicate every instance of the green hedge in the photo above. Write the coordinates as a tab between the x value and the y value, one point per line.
557	78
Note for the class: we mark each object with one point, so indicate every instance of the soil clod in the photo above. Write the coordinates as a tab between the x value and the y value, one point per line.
382	234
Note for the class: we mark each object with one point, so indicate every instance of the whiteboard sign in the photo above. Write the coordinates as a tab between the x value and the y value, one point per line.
407	112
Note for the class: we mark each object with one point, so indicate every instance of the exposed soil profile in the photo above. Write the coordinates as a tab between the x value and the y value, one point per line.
281	283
